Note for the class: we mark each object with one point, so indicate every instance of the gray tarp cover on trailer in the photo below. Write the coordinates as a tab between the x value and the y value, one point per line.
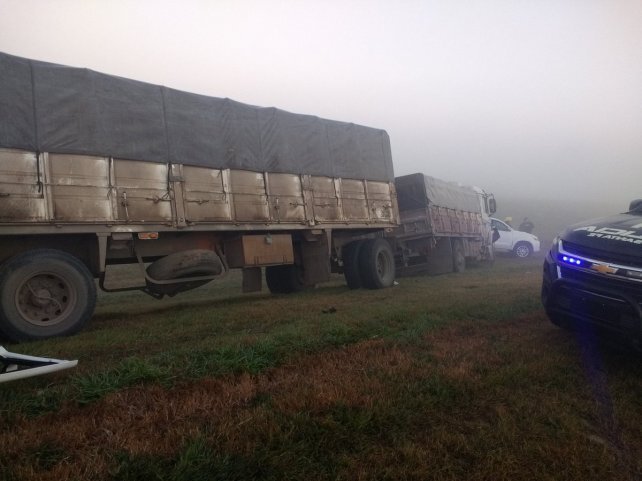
416	191
47	107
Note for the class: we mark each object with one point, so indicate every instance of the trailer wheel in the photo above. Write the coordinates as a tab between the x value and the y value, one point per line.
376	264
190	263
459	259
284	279
44	293
351	272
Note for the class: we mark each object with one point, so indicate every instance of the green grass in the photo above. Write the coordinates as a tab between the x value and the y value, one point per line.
128	372
196	461
449	377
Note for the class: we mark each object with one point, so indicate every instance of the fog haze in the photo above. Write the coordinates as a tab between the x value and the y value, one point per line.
530	100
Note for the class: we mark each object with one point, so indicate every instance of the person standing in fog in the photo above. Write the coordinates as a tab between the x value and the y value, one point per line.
526	226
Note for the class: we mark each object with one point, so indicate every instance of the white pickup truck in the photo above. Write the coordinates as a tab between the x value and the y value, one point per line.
522	244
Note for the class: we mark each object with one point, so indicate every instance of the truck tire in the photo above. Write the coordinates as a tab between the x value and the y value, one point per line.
190	263
350	254
44	293
284	279
376	264
523	250
459	259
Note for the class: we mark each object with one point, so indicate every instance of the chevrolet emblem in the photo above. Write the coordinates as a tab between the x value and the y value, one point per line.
603	269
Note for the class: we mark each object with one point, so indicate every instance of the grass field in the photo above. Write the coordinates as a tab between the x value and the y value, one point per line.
439	378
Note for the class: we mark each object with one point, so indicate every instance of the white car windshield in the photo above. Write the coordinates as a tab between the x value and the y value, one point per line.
500	225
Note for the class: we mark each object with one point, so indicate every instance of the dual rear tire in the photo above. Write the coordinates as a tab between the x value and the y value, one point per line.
369	263
366	263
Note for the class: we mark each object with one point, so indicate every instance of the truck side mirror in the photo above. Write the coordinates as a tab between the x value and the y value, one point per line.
492	205
635	205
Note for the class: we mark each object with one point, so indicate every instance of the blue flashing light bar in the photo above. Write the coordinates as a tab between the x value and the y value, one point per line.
572	260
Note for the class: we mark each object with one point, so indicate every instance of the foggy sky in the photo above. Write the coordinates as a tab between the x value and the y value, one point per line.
528	99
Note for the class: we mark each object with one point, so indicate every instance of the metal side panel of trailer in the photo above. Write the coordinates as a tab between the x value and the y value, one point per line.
56	193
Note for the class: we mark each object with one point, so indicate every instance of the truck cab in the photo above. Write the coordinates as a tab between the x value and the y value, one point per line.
488	206
593	276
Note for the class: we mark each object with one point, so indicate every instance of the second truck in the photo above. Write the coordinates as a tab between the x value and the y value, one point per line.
444	225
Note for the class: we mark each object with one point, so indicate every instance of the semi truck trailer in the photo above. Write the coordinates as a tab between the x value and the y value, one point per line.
98	171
